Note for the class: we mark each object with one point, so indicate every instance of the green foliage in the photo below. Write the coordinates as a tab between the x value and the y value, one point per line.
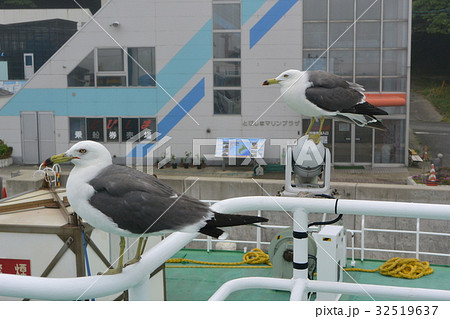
437	92
93	5
431	16
5	150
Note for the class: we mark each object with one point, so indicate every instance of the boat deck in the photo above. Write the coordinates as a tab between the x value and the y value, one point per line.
197	284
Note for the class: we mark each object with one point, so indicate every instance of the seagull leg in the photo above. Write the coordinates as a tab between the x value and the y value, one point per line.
139	251
316	138
313	120
118	270
310	125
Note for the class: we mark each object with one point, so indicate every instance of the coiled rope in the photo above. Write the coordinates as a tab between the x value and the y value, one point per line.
254	257
410	268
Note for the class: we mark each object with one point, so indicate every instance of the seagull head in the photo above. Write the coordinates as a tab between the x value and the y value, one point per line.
85	153
287	78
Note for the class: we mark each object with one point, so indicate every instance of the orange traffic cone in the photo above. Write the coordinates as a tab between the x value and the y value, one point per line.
432	181
4	192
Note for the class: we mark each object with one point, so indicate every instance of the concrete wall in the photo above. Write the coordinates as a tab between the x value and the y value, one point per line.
223	188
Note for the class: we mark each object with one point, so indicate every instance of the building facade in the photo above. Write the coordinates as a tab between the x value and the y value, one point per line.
192	72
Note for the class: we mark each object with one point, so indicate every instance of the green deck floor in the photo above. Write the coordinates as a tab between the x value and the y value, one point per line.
196	284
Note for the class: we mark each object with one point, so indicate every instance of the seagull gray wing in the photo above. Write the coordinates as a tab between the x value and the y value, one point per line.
334	99
140	203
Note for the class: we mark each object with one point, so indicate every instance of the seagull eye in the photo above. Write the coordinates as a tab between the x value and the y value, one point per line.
82	151
286	75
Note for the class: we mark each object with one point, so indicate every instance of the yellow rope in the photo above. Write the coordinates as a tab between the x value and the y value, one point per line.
410	268
253	257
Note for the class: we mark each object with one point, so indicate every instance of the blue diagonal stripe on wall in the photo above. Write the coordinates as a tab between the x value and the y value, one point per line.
248	8
269	20
178	112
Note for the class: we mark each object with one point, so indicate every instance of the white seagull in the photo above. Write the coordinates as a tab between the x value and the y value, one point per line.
319	94
127	202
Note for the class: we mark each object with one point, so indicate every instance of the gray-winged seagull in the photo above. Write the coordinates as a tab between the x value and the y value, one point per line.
127	202
320	94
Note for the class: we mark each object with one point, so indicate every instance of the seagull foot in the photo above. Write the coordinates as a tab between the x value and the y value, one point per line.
315	138
111	271
132	261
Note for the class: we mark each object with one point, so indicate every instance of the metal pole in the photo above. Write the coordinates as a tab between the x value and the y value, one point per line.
300	236
258	233
363	234
298	291
417	237
140	292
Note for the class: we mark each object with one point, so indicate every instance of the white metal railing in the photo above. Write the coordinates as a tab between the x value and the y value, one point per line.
135	277
362	232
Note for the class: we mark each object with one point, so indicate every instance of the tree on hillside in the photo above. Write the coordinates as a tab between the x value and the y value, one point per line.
431	16
15	4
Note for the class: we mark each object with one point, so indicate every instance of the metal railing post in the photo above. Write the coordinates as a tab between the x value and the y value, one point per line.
300	235
258	233
363	234
417	237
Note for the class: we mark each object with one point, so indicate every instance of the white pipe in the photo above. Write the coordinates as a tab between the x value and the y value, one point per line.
140	292
300	245
344	206
377	291
94	286
299	286
298	291
363	236
258	233
417	237
251	283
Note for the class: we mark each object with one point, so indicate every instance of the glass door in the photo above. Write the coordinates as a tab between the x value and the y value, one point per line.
363	145
342	152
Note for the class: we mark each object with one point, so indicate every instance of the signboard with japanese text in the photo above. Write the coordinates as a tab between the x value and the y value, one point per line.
112	129
240	147
94	127
148	124
15	266
77	128
130	127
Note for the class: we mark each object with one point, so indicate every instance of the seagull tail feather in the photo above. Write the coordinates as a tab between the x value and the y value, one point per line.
227	220
378	125
362	120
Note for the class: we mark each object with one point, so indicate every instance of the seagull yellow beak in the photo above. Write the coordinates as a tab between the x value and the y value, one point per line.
55	159
270	81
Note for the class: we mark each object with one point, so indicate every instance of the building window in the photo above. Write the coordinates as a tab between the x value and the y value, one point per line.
362	36
105	67
112	129
390	145
226	16
130	127
227	57
110	60
77	128
227	45
141	67
116	129
83	74
227	101
94	129
227	73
